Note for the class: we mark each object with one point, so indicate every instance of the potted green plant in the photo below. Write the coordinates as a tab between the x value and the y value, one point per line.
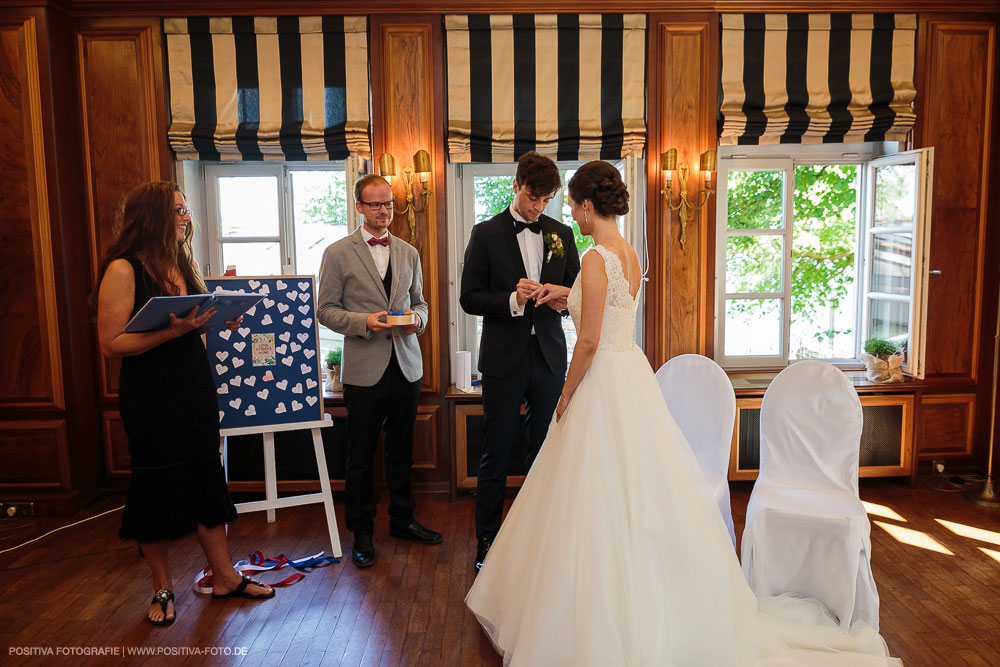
333	383
883	361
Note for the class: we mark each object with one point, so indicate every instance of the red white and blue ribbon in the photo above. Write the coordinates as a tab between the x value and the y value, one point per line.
257	562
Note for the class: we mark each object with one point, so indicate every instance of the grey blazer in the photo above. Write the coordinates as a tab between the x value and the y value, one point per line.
350	289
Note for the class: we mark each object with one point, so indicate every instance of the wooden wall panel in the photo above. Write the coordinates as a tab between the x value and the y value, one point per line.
407	105
948	423
29	336
117	460
123	124
955	81
34	455
682	74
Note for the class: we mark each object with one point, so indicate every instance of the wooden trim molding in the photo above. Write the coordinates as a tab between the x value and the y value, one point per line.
35	454
50	393
948	435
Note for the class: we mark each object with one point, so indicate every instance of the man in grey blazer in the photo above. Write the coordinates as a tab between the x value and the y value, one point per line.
362	277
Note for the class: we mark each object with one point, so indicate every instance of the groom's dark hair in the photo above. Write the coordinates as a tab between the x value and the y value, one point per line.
537	173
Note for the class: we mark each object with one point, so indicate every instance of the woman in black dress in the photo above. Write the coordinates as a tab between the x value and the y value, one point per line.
167	396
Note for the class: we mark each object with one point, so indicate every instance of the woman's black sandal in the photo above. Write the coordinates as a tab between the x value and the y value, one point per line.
163	596
241	590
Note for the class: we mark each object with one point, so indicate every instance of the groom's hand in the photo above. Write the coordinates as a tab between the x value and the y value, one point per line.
526	289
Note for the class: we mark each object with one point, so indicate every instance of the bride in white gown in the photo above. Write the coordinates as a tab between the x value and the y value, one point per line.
610	555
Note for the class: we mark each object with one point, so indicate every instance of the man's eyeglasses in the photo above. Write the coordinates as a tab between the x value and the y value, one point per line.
181	211
374	206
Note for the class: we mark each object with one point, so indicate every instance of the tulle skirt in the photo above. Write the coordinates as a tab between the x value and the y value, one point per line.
610	555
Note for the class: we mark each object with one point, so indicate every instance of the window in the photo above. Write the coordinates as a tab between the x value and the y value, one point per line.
275	219
818	250
483	190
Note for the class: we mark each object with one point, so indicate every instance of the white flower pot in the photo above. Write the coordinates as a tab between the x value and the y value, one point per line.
333	383
883	370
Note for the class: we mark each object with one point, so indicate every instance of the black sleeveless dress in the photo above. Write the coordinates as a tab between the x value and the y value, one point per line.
169	409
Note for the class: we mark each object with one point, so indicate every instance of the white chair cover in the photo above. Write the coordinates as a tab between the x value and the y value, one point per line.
807	533
701	400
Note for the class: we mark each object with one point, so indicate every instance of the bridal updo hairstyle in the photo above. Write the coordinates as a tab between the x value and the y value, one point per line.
601	183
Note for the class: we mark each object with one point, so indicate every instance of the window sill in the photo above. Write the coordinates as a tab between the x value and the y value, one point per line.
752	383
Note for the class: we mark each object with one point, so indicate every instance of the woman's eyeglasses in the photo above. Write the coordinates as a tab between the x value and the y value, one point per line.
181	211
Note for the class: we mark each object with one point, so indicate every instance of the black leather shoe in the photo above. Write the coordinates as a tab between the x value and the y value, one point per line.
414	532
363	553
482	548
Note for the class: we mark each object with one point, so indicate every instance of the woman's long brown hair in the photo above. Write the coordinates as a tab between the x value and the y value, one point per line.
145	228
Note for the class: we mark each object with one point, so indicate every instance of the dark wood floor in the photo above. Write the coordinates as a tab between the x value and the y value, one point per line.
82	587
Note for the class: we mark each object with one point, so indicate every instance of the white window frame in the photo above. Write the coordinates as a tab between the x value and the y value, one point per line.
461	219
781	158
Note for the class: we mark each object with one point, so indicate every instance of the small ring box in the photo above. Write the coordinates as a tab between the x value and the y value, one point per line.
398	318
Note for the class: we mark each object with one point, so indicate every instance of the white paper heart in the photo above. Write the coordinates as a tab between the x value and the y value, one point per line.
218	288
252	311
281	385
280	408
281	284
309	353
251	411
237	362
311	400
281	349
305	369
310	383
284	337
282	307
220	369
268	302
223	388
254	284
265	320
236	380
251	380
304	309
221	415
243	331
303	337
307	322
292	295
296	406
295	347
224	334
303	297
263	394
236	403
221	355
268	376
265	289
297	389
288	319
239	346
303	285
286	361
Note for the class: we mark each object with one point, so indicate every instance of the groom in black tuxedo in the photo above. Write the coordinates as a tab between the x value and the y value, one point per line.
522	355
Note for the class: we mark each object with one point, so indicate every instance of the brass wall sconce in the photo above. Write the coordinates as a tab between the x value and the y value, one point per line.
685	209
422	167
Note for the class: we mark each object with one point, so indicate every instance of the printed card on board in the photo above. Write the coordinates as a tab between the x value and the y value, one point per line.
268	372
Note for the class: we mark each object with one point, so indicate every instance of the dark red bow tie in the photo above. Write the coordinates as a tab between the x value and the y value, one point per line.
384	241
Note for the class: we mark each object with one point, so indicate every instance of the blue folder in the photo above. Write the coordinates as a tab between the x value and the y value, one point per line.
155	315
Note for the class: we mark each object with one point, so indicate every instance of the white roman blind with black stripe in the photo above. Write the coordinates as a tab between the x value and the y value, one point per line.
268	88
570	86
817	78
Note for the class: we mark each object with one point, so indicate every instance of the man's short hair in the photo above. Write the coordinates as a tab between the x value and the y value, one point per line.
538	173
365	181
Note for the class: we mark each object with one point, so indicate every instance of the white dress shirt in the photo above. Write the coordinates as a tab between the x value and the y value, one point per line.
532	248
379	253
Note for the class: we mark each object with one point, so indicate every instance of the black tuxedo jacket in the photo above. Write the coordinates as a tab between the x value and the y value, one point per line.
493	266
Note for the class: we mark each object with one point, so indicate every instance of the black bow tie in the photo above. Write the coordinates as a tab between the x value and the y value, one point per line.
533	227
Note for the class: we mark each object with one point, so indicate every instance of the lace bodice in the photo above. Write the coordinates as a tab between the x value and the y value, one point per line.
618	325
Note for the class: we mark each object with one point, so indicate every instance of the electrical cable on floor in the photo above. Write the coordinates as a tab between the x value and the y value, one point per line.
56	530
948	484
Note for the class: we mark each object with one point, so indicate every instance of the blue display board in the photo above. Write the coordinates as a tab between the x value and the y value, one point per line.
268	372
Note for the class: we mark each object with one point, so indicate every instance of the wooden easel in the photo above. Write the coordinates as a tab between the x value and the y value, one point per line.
271	500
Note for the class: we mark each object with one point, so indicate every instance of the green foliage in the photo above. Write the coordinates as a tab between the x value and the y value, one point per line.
880	347
333	356
326	207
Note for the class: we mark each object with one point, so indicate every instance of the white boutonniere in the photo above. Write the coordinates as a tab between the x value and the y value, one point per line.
554	247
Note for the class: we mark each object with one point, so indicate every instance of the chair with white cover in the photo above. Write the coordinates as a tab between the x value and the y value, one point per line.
807	533
701	400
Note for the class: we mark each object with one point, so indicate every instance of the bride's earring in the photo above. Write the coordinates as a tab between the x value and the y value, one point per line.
586	220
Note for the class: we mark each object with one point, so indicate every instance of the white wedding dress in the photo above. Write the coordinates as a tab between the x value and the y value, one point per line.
611	556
